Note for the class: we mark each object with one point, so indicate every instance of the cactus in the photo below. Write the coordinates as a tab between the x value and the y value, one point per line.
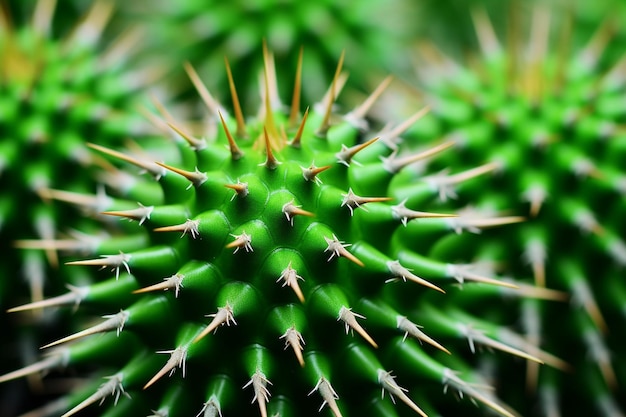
204	32
289	261
550	114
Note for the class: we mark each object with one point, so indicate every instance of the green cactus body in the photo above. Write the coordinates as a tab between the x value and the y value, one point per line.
551	122
283	266
204	32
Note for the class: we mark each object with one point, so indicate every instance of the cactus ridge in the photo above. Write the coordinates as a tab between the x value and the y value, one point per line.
283	262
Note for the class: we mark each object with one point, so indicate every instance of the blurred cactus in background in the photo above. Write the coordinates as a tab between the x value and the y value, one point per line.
64	80
446	24
550	112
375	35
58	92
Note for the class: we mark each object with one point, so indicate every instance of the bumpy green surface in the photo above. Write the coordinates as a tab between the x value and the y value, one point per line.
553	120
204	32
257	277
